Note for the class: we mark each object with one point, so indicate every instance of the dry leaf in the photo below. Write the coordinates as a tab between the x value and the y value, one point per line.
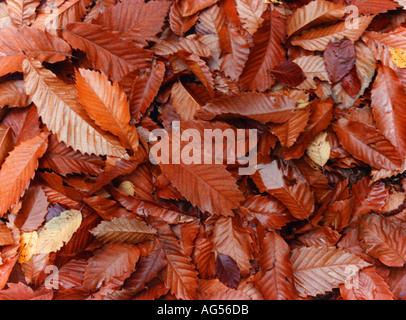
58	231
319	149
28	245
398	57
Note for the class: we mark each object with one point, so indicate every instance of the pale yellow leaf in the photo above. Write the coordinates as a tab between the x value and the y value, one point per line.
58	231
398	57
127	187
319	149
28	246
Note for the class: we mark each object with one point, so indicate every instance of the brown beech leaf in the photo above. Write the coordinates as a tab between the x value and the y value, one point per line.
396	281
189	7
147	269
213	21
250	14
179	275
276	281
320	118
365	65
107	105
314	13
53	19
21	291
199	69
13	94
5	19
184	101
204	257
351	83
108	209
218	193
71	274
289	131
318	270
313	67
23	122
367	285
20	43
339	58
257	106
234	61
110	261
144	90
338	214
320	236
269	211
135	20
266	53
288	73
387	105
33	211
230	238
22	12
123	230
121	167
369	196
375	6
227	270
64	160
6	237
367	144
317	39
106	49
379	237
287	185
43	86
6	144
381	44
19	168
192	44
180	24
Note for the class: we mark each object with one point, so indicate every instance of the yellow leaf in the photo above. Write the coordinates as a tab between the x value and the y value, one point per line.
301	104
319	149
58	231
127	187
28	246
398	57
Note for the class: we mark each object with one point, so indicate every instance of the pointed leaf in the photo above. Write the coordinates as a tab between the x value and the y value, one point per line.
227	270
320	269
19	168
107	105
382	239
108	52
67	119
123	230
58	231
367	144
112	260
